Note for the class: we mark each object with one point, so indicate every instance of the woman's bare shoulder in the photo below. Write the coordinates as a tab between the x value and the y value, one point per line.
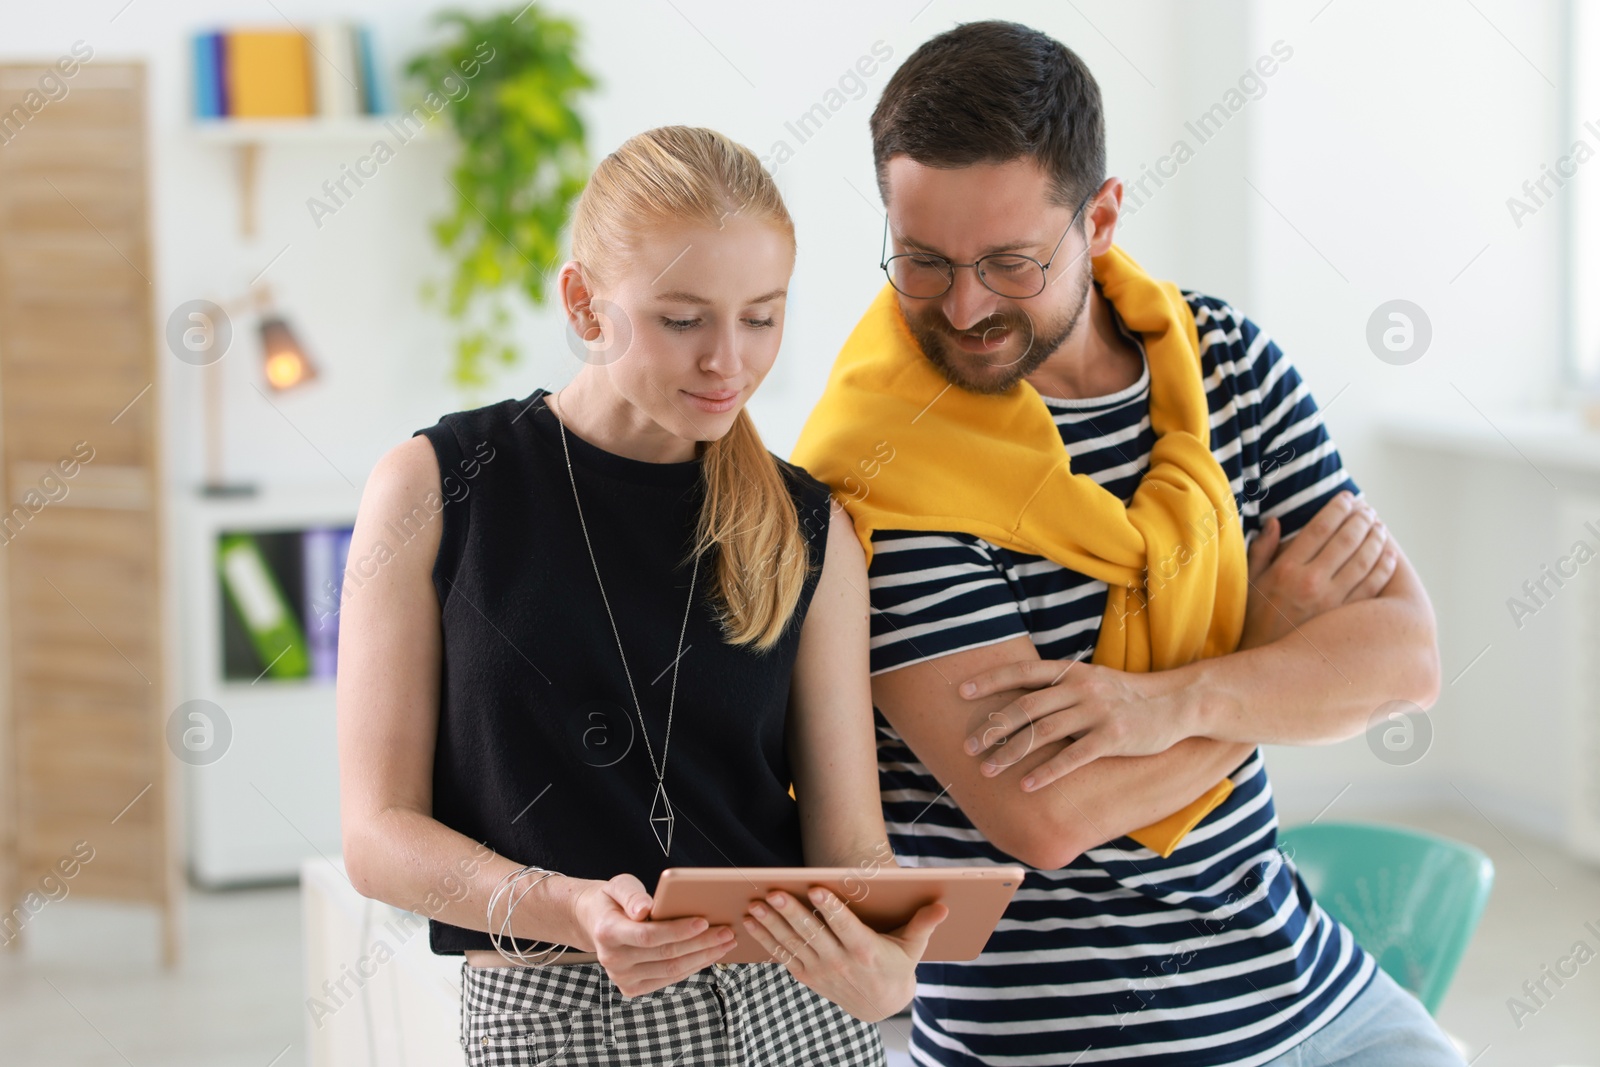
402	493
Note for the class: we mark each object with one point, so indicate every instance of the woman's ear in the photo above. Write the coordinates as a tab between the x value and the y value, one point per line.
576	296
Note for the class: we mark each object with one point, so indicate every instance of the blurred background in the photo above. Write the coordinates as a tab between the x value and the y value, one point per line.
214	320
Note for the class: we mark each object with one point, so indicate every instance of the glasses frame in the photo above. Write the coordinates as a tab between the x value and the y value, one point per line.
950	275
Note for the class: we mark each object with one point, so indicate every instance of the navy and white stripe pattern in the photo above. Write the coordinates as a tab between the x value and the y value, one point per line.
1214	955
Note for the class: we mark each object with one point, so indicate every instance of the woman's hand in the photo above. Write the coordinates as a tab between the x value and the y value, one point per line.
641	955
868	974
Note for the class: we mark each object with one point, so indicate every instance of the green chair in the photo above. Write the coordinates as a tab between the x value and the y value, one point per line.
1412	899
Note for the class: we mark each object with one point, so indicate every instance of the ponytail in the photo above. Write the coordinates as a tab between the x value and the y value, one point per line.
673	174
748	514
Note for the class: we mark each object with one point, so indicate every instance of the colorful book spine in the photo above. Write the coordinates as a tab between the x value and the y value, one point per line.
268	74
281	74
219	54
338	70
373	99
208	97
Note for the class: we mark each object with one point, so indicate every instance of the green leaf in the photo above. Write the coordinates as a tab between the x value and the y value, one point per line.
522	160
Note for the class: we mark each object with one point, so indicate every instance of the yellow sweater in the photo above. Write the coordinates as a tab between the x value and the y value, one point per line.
994	466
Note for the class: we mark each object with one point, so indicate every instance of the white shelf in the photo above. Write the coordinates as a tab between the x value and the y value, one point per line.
269	690
1561	438
357	128
247	137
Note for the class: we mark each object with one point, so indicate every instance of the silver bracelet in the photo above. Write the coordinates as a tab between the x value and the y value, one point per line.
508	887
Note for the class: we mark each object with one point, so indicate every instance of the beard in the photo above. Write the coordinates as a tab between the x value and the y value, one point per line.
1021	343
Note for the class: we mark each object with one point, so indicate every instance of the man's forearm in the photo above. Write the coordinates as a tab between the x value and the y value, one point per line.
1322	682
1119	794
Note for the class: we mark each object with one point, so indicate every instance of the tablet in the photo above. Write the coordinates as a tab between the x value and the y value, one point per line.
884	897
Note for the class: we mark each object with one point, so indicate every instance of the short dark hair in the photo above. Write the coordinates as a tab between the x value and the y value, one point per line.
990	92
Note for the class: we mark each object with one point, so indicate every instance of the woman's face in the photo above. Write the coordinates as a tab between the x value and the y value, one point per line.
687	327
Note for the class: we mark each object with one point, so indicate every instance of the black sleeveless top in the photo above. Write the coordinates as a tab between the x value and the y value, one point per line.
539	754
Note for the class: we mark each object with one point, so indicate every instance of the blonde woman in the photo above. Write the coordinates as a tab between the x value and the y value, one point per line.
604	632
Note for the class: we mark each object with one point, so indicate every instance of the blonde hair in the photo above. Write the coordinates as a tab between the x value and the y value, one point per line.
689	174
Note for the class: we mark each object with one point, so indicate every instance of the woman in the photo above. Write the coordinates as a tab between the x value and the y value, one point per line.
604	646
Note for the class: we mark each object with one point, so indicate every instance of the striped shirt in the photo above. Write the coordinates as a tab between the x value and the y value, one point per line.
1214	955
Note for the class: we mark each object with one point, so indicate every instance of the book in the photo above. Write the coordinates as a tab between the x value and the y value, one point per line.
268	74
209	99
336	63
374	100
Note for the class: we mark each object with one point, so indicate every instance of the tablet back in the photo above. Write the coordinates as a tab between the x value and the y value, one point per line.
883	897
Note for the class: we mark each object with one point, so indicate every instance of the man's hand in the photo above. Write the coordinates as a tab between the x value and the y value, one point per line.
1344	554
1102	711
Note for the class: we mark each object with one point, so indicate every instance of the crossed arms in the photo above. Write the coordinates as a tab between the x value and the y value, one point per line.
1051	758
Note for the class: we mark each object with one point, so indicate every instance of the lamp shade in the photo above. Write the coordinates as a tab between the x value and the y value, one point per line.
286	362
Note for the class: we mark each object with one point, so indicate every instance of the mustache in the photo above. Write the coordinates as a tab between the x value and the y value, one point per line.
998	326
1016	321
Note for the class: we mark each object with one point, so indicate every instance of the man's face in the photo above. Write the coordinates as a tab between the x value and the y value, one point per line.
978	339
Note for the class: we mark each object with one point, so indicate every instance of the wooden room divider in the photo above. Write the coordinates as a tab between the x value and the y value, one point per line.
86	808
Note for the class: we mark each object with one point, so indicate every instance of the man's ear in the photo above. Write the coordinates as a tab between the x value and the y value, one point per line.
1105	215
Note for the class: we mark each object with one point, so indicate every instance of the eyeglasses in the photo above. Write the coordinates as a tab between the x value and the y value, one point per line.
923	275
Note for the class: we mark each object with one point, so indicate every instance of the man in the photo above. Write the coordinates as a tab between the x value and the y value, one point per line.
1157	923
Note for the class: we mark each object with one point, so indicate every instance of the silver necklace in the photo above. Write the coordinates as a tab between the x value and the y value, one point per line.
661	814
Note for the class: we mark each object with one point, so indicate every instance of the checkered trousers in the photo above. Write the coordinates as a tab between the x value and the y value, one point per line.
733	1015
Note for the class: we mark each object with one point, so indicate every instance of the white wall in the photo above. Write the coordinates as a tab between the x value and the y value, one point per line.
1386	147
351	286
1387	155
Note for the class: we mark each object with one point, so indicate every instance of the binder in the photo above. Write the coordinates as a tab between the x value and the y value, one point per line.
318	549
261	602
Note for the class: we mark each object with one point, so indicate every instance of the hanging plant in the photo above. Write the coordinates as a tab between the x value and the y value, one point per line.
507	84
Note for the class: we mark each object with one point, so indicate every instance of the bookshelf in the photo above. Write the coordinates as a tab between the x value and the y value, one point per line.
271	800
360	129
255	87
247	138
257	659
